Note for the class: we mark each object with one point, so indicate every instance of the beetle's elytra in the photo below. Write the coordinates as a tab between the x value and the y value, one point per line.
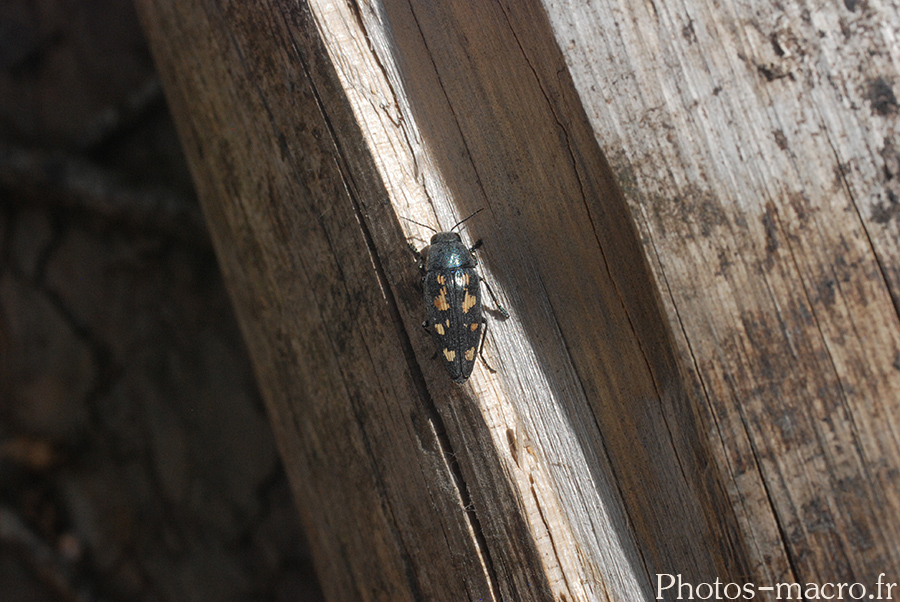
453	301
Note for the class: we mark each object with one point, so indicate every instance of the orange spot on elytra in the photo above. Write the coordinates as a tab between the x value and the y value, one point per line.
468	302
440	301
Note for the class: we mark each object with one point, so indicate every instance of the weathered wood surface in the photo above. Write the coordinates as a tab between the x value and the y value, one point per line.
697	375
459	86
757	147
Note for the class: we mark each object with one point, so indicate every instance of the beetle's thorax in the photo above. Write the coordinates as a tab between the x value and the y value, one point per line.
447	251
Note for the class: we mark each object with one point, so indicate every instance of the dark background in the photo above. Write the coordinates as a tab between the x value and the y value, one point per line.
136	461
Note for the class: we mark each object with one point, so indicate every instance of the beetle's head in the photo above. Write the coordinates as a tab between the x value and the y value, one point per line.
445	237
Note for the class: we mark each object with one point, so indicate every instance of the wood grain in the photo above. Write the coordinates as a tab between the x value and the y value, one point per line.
694	233
466	74
362	449
756	145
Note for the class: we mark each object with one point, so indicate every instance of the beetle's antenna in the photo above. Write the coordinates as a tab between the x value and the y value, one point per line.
424	225
458	224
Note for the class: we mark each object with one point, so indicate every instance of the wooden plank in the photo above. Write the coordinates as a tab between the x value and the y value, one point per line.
575	472
756	145
541	180
564	485
364	454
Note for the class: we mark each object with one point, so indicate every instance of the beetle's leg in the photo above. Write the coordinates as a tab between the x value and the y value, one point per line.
499	307
474	248
427	329
481	349
420	257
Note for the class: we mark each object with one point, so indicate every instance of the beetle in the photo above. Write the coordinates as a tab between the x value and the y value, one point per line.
453	300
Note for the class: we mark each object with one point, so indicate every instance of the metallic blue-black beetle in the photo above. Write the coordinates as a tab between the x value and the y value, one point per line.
453	301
